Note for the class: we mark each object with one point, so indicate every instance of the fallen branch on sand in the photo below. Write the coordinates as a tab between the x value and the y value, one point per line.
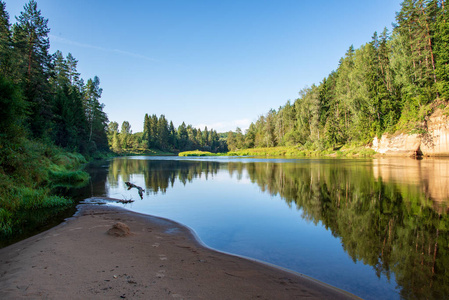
125	201
132	185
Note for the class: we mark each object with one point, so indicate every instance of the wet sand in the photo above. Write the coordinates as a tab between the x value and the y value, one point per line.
158	259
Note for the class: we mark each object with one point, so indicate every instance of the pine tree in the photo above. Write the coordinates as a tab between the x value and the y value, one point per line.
31	43
182	136
96	118
172	136
162	132
72	72
61	71
6	50
413	55
442	50
152	132
146	128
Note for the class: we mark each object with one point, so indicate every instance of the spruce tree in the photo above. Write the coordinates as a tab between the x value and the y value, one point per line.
6	50
31	43
72	73
96	117
182	136
442	51
162	132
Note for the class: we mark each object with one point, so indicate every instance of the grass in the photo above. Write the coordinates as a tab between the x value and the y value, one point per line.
28	171
199	153
354	150
298	152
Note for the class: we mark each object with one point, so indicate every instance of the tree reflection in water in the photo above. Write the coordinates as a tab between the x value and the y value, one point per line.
389	214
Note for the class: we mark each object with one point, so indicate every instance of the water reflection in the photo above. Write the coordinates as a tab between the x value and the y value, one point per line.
390	214
159	174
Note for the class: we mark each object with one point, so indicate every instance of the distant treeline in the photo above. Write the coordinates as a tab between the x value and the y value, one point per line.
392	83
43	96
158	133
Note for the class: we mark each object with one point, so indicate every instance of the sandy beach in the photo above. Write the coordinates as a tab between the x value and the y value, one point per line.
87	258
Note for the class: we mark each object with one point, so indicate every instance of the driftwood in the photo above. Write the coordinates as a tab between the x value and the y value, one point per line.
132	185
124	201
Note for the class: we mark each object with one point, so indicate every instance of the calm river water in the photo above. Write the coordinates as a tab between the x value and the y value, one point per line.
377	228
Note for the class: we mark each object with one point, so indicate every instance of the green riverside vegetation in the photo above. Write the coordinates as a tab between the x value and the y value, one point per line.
159	135
200	153
50	121
390	84
296	152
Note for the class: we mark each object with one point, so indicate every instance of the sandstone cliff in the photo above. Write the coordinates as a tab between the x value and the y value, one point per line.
434	143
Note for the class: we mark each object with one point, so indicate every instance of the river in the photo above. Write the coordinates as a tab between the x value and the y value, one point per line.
377	228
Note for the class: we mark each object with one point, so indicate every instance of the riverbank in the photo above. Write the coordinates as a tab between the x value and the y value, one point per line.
291	152
157	259
30	171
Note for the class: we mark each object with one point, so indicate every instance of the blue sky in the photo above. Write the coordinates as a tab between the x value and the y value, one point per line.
219	64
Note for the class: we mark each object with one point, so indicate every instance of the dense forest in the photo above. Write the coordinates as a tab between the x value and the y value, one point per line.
158	133
43	95
48	117
392	83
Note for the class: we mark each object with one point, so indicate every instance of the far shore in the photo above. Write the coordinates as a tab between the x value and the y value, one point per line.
83	258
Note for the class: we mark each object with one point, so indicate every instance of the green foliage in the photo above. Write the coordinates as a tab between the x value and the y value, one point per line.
26	177
161	135
442	52
46	113
6	222
391	83
307	150
12	110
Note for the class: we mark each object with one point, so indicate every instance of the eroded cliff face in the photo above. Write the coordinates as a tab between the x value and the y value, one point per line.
435	143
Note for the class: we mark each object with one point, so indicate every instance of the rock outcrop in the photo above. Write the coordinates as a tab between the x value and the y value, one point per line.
434	143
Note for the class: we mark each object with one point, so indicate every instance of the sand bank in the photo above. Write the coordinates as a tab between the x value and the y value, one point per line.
157	259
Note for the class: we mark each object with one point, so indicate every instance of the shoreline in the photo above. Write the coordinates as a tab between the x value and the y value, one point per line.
157	259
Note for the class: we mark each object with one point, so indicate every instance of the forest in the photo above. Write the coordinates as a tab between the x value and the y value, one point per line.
50	118
44	98
392	83
160	134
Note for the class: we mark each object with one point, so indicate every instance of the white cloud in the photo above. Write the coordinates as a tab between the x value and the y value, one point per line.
121	52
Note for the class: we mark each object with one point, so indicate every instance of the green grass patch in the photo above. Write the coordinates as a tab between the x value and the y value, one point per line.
305	151
199	153
29	199
28	171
